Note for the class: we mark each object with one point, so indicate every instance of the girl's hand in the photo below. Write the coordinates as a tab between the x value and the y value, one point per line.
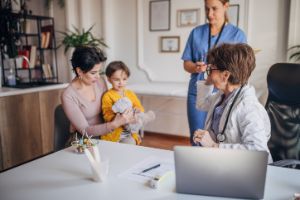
200	67
129	116
203	137
137	110
124	118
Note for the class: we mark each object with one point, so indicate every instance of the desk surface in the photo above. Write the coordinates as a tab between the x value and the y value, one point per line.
67	175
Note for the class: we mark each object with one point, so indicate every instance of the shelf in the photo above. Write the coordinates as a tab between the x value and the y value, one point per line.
27	16
39	33
23	69
32	84
27	34
49	48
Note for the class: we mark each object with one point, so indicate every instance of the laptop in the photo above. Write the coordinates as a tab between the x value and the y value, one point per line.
220	172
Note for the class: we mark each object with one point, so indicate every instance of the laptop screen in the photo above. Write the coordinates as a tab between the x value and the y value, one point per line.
220	172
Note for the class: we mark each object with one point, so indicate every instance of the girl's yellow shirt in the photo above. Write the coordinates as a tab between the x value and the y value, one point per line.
108	100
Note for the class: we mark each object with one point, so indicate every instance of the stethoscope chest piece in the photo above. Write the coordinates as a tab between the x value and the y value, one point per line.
221	137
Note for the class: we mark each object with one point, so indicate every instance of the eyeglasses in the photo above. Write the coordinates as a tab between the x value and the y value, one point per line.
209	69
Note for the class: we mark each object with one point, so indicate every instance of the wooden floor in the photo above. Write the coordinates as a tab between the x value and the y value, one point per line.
163	141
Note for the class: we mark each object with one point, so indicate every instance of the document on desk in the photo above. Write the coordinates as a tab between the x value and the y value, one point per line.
148	169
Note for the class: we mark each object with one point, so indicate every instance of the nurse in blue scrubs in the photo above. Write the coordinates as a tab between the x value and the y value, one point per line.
202	38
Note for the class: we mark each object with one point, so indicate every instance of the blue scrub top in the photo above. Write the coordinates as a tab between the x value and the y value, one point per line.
197	44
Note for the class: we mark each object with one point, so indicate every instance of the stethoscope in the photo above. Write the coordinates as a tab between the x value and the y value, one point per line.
221	137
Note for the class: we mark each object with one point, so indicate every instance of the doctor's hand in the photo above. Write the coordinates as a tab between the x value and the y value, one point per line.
203	137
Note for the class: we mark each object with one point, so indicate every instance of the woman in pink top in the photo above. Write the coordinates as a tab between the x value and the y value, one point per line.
81	100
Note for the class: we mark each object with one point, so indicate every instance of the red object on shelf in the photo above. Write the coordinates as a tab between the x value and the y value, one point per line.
25	64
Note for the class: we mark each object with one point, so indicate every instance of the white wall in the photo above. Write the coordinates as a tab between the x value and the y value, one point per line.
294	25
268	31
120	33
267	26
118	22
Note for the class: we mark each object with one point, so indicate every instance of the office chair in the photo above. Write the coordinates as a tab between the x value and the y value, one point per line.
283	107
61	128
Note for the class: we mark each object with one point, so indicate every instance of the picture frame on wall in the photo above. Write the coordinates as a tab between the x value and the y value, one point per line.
188	17
159	15
234	14
169	44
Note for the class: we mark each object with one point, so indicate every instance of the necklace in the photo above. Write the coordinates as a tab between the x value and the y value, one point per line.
221	136
218	38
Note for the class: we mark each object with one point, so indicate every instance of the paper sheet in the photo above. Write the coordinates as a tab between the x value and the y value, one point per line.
135	172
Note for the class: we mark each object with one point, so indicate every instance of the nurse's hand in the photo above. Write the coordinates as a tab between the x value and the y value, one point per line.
203	137
200	67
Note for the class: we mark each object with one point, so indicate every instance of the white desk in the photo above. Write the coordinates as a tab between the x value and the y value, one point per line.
66	175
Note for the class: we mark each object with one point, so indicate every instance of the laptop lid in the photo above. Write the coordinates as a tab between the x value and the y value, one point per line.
220	172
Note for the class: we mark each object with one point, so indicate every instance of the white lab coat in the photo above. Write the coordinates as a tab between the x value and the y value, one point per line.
248	125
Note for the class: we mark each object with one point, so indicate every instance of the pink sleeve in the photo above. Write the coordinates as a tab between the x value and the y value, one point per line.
77	118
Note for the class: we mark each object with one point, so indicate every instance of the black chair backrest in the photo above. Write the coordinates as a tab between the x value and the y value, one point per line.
61	128
284	83
283	107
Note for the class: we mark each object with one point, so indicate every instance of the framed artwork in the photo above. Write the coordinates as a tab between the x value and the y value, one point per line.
188	17
169	44
159	15
234	14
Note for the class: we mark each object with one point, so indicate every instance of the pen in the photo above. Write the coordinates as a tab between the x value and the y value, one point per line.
150	168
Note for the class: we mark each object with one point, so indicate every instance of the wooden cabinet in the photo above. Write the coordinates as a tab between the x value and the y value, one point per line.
26	126
171	114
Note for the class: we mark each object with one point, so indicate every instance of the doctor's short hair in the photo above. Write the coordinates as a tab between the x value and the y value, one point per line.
238	59
86	58
115	66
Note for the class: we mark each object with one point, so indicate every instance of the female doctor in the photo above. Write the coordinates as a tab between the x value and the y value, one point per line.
235	119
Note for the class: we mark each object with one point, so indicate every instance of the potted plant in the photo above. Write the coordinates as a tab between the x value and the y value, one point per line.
78	38
295	53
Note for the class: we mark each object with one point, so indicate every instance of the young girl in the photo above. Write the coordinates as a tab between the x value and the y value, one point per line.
119	99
